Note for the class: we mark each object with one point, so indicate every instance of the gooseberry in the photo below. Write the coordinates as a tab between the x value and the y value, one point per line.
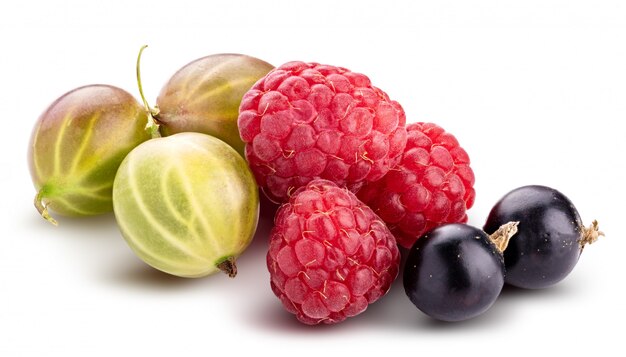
77	145
187	204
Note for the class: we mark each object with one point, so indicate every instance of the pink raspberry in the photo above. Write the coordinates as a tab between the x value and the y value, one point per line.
330	255
432	185
306	120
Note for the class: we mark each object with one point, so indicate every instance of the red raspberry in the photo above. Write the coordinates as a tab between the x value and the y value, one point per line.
330	255
306	120
432	185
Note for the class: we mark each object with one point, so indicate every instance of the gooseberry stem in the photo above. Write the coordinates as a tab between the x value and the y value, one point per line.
43	208
228	266
502	236
152	126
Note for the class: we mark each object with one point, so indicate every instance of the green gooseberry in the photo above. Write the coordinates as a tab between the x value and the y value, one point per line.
76	146
186	204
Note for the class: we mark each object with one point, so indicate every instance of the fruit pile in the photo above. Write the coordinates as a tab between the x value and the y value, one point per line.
356	186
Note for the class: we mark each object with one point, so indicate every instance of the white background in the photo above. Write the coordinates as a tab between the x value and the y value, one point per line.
534	90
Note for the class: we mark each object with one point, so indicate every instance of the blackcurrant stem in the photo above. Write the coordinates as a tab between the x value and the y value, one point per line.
590	234
502	236
43	208
152	126
228	266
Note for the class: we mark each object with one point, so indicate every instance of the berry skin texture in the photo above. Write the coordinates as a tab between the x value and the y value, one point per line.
433	184
330	256
454	273
304	121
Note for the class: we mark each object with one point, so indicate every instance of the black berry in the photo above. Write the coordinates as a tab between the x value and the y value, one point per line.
456	271
550	238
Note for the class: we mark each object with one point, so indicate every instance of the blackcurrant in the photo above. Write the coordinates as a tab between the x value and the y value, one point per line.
456	271
550	238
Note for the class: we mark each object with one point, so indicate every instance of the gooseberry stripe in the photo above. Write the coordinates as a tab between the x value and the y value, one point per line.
93	194
206	227
71	207
93	165
147	252
190	224
230	190
200	80
86	138
169	238
221	89
104	187
61	201
165	184
57	144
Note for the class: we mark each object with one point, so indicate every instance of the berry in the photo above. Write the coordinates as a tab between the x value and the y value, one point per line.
304	121
77	145
186	204
432	185
204	96
551	235
330	255
456	272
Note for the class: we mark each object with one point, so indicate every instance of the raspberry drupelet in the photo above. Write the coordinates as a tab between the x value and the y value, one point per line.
304	121
433	184
330	256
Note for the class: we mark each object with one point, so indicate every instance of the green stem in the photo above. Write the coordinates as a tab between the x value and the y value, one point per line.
43	208
152	126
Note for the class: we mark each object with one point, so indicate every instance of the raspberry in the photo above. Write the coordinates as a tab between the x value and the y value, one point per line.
304	121
330	255
432	185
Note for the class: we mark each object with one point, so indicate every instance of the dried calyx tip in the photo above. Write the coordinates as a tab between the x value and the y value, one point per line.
228	266
590	234
502	236
43	208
